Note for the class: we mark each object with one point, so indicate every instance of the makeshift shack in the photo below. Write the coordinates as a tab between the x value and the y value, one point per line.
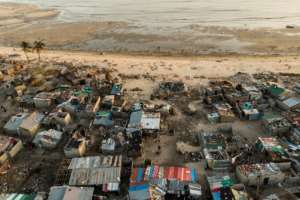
237	97
211	140
292	103
147	122
276	124
9	148
259	174
297	88
72	105
48	139
225	112
108	146
116	89
93	106
274	151
276	91
71	193
216	159
254	92
162	181
60	117
13	125
75	147
44	100
31	124
103	118
213	117
222	186
248	111
108	101
104	171
139	191
150	122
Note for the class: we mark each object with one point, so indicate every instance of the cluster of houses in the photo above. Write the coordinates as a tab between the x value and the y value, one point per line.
100	132
272	159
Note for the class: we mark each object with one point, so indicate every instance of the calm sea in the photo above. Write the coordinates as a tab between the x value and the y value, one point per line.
250	13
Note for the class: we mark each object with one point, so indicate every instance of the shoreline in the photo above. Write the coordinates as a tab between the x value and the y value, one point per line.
153	55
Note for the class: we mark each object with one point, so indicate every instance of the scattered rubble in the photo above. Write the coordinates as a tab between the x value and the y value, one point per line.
67	126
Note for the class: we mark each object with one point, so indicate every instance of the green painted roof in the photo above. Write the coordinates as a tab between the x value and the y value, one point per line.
275	90
103	114
21	197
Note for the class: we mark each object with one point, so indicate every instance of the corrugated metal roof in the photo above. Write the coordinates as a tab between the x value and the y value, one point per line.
15	121
169	173
267	168
276	90
135	119
95	162
291	102
48	139
34	119
16	196
71	193
75	193
139	192
57	192
150	121
111	187
98	176
96	170
103	122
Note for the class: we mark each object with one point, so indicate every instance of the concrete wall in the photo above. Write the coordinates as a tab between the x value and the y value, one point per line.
254	180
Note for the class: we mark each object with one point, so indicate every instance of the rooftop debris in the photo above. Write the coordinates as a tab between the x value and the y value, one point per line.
99	137
260	174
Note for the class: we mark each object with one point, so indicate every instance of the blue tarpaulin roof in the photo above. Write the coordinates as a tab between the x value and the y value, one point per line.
139	187
140	175
139	192
116	89
194	175
216	195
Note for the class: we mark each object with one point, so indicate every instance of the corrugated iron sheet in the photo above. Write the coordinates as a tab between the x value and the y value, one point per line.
150	121
139	192
95	162
135	119
170	173
97	176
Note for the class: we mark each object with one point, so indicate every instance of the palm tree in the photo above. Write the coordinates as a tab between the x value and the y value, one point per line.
26	48
38	47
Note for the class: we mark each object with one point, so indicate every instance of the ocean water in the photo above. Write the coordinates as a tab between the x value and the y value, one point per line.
237	13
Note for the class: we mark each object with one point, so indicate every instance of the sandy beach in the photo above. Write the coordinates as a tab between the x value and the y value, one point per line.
23	22
176	66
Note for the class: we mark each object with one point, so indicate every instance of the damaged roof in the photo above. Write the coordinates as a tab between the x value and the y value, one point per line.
291	102
71	193
97	170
